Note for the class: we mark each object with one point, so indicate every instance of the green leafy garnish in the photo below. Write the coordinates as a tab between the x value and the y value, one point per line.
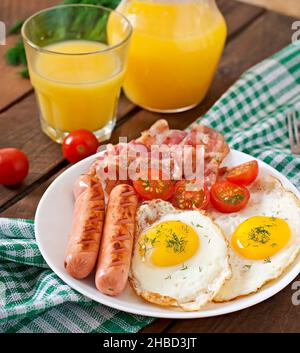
184	267
233	200
24	73
16	54
247	267
259	234
16	27
176	243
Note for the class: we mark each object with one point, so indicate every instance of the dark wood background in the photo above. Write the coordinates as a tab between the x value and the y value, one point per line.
254	34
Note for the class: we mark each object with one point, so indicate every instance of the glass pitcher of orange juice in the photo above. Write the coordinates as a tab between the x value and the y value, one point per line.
175	49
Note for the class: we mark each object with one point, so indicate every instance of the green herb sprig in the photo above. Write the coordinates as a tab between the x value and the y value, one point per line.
176	243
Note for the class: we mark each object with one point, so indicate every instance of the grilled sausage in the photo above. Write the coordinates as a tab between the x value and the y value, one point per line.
117	241
84	238
81	185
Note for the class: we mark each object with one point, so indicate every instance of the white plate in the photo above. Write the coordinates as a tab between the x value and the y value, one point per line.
52	224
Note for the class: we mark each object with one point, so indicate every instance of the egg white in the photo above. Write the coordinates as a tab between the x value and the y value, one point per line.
188	285
268	198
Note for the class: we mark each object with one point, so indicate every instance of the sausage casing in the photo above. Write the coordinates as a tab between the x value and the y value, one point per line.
117	241
84	238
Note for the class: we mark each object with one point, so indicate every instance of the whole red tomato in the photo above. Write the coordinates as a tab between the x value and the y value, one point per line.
14	166
79	144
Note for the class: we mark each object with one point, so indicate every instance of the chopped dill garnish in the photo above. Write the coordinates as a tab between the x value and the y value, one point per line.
153	241
176	243
267	260
260	234
184	267
147	244
233	200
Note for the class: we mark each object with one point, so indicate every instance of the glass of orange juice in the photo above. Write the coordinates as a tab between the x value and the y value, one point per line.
77	75
174	52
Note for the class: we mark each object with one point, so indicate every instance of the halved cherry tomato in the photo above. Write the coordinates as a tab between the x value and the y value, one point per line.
79	144
14	166
228	197
222	171
243	174
157	188
190	199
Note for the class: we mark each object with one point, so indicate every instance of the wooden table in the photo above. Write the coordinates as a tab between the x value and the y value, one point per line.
254	34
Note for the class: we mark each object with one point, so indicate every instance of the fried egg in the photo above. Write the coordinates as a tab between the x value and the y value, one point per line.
180	258
264	238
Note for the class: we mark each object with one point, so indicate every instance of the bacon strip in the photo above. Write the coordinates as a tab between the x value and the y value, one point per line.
215	145
216	149
159	133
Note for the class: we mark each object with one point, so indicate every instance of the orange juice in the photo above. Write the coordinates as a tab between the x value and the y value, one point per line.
174	52
76	91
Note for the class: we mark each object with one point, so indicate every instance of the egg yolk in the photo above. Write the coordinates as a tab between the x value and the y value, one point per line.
169	243
260	237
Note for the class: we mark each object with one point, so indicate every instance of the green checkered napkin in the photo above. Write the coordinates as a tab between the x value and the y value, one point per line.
34	299
251	115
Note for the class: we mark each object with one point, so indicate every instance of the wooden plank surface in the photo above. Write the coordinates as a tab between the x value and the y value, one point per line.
286	7
250	40
277	314
13	86
22	130
21	120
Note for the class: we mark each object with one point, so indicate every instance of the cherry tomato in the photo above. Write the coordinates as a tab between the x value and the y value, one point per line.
228	197
222	171
14	166
79	144
190	199
243	174
157	188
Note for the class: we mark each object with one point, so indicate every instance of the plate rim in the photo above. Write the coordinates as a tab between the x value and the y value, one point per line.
230	307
